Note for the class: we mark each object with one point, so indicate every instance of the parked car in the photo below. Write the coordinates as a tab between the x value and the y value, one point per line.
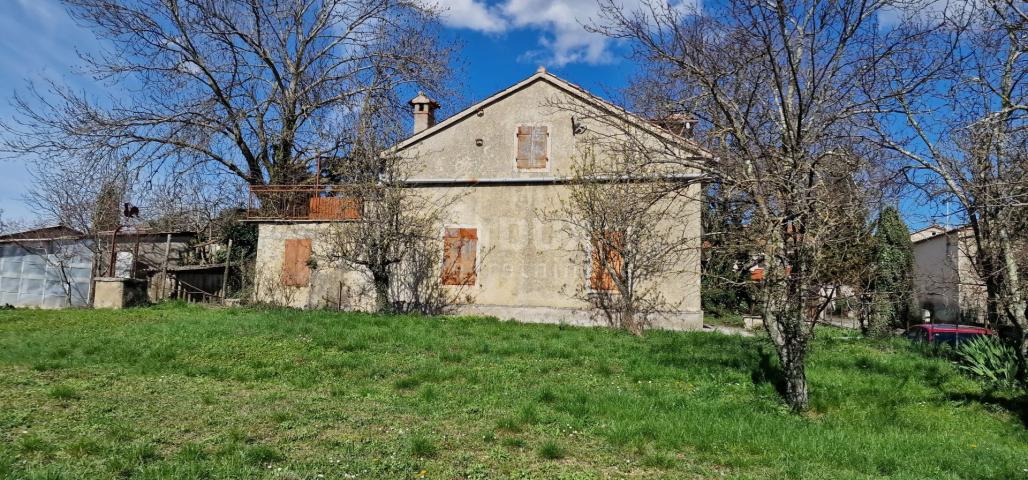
945	333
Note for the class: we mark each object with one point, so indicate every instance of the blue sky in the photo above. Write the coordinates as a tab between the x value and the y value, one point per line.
503	41
38	41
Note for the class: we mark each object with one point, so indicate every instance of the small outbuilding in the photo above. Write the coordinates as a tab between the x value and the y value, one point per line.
48	267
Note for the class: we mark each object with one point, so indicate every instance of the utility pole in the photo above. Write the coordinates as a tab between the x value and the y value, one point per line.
224	275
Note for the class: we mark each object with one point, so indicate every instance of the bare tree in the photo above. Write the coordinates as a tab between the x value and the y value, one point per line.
630	227
202	200
965	132
393	235
260	89
87	203
783	90
394	232
82	196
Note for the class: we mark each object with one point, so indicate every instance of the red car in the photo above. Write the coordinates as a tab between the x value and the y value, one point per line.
948	333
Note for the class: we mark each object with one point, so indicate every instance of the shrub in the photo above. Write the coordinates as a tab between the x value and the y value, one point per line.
988	359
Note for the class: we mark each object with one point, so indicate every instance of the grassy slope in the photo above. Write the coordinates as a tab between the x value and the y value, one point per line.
188	392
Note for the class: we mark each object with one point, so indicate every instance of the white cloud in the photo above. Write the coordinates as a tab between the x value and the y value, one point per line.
472	15
560	23
563	25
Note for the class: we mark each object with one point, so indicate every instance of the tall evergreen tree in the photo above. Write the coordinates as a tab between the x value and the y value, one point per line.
893	283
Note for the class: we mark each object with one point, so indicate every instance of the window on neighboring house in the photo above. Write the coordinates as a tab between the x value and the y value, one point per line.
606	260
460	252
533	146
296	271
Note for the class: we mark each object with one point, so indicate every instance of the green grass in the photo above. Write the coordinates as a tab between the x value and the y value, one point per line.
186	392
727	320
549	450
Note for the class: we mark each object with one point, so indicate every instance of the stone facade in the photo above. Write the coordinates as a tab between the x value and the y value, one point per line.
527	268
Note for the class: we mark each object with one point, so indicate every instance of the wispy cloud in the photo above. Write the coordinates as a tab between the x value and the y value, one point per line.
563	38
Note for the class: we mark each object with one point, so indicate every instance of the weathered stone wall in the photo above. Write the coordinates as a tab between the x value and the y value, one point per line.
329	285
484	144
527	268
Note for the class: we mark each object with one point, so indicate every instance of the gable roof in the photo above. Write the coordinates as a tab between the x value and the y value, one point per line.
542	75
935	231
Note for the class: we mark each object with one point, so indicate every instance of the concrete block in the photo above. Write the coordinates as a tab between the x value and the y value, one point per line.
752	322
117	293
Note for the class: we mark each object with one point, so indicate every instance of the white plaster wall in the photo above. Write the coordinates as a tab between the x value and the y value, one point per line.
936	283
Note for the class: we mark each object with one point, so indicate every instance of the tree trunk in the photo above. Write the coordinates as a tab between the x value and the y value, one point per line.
381	281
795	372
785	327
1014	303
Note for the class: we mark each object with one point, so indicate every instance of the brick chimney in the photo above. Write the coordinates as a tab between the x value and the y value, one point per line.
424	112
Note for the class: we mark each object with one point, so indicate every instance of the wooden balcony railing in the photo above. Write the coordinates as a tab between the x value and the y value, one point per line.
302	202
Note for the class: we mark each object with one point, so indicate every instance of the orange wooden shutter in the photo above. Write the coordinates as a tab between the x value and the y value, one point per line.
334	208
540	138
460	251
524	159
606	256
295	271
532	146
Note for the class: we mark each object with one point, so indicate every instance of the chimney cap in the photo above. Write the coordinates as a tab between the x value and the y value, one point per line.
423	99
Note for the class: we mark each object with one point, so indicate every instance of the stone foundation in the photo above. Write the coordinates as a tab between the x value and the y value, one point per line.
578	317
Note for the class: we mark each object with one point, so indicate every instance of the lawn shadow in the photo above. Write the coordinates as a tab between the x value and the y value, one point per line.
1017	405
768	371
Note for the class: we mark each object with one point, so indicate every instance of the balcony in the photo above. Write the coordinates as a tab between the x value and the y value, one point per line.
302	202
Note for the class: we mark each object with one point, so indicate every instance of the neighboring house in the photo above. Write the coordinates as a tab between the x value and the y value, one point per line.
54	266
503	161
947	287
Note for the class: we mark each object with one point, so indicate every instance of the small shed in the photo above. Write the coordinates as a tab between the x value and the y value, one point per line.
54	266
48	267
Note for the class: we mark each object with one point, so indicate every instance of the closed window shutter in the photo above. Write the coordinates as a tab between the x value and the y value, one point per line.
460	251
606	258
334	208
524	158
540	137
295	269
532	146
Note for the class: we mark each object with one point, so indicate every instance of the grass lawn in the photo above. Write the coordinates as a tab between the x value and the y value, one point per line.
186	392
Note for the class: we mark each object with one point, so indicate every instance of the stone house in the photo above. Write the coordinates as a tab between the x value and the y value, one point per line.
502	161
947	287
